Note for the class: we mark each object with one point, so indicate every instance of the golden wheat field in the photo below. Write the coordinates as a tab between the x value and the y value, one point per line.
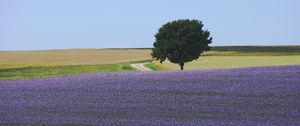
72	57
219	57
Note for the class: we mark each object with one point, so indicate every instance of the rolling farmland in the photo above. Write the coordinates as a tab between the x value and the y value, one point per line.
72	57
265	55
36	64
212	62
241	56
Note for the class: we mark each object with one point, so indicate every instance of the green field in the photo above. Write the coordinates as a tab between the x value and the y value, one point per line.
46	71
241	56
36	64
152	66
207	62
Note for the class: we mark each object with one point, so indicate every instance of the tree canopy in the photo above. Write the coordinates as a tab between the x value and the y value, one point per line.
181	41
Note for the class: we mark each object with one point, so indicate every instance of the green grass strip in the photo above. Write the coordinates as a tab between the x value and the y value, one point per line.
47	71
151	66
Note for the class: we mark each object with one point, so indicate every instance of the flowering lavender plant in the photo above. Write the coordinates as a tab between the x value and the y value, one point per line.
244	96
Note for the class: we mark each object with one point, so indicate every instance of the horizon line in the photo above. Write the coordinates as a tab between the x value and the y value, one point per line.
116	48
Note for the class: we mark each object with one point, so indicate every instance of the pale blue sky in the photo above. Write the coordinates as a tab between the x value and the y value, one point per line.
59	24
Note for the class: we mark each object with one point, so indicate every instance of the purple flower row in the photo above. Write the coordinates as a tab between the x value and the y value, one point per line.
244	96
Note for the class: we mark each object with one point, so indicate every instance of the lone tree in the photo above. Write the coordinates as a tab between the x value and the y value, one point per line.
181	41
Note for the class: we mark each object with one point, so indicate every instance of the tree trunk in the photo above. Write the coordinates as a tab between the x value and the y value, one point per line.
181	66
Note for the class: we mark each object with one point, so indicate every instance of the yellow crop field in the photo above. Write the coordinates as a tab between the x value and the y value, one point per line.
71	57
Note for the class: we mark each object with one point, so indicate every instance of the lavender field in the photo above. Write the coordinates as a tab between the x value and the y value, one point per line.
243	96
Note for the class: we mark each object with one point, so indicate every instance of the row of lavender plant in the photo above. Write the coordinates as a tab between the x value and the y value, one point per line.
245	96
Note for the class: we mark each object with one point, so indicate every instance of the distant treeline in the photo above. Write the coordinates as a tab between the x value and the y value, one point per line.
281	49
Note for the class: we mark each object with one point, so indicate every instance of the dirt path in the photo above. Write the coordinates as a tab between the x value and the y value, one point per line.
140	67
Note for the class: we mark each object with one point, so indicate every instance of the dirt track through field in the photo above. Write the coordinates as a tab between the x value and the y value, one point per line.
140	67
